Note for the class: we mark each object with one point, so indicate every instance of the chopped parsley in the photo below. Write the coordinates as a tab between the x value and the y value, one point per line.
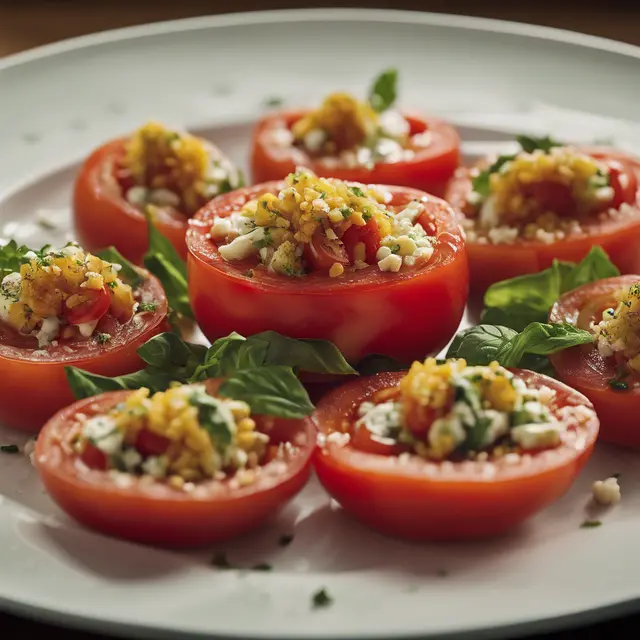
273	101
262	566
9	448
112	285
346	212
103	338
285	539
147	306
321	598
357	191
221	561
618	383
265	241
590	524
366	216
395	248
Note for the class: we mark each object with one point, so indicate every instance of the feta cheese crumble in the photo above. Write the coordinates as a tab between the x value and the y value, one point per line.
607	492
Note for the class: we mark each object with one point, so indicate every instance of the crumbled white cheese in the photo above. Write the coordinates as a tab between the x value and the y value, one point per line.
502	235
537	436
86	329
137	196
155	466
243	246
606	492
165	197
104	434
393	124
48	331
314	140
446	434
391	263
9	292
381	419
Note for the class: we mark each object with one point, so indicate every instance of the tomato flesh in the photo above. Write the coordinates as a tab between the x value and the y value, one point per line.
584	369
97	304
368	234
428	169
151	444
415	499
618	236
362	311
164	516
322	253
94	458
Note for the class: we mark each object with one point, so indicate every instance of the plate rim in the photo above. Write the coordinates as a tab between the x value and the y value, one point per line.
72	619
196	23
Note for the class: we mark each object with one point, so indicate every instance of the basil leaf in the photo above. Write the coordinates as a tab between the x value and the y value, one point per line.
530	143
519	301
129	272
383	93
270	390
541	339
211	419
163	261
312	356
481	344
168	349
12	258
84	384
220	358
378	363
481	183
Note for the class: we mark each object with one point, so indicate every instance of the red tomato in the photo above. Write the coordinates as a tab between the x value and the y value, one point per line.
619	237
42	378
151	444
403	315
322	253
422	500
429	170
103	217
165	516
369	235
93	458
586	370
97	304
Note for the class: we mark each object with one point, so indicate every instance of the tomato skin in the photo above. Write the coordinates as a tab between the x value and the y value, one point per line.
93	309
584	369
489	263
34	387
420	500
103	217
345	310
165	518
429	170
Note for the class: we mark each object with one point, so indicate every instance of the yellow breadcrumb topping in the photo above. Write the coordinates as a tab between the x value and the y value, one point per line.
203	436
619	329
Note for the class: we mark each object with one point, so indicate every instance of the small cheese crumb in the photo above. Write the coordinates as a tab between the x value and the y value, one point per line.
391	263
606	492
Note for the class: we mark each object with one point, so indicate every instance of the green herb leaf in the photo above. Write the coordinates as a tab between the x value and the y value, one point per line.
384	91
262	566
480	345
517	302
129	272
357	191
84	384
211	417
541	339
269	390
530	143
167	350
481	183
164	262
273	101
590	524
378	363
321	598
12	258
9	448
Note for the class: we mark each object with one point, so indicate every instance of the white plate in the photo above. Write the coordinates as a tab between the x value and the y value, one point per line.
212	74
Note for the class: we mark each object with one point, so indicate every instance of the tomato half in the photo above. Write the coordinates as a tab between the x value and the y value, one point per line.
103	217
405	315
584	369
156	514
619	236
34	385
416	499
429	170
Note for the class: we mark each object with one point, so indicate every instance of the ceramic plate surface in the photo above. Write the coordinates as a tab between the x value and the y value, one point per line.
213	75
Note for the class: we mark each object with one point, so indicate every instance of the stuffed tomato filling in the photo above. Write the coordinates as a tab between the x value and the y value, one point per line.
181	437
66	295
162	168
546	192
617	332
451	411
326	225
347	132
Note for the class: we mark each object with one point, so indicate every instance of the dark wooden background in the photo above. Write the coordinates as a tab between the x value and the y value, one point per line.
29	23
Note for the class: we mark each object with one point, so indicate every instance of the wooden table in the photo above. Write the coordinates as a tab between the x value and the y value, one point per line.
30	23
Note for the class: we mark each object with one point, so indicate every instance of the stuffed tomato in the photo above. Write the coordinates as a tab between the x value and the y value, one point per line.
373	269
180	468
361	141
446	451
68	307
164	174
608	370
548	201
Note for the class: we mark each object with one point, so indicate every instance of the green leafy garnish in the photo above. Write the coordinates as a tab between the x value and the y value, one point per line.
357	191
590	524
211	419
147	307
480	183
262	566
321	598
103	338
483	344
9	448
270	390
129	272
12	256
383	93
273	101
618	383
163	261
517	302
